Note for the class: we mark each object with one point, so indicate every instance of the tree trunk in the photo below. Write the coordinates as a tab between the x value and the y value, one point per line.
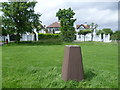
17	39
92	37
35	36
4	40
84	38
102	37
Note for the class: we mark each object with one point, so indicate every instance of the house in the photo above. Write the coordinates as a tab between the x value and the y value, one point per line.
54	28
106	38
82	27
43	29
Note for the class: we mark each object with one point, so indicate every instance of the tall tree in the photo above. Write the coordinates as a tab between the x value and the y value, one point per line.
19	18
93	27
65	16
100	32
116	36
107	31
104	31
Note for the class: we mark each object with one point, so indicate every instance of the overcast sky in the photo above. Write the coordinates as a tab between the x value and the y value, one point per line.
105	14
102	12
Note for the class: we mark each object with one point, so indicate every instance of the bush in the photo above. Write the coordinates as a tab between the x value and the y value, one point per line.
40	42
116	35
42	36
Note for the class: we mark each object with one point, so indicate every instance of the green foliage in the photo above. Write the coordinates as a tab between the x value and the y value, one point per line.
40	42
42	36
39	66
93	27
19	18
84	32
100	32
107	31
65	16
116	35
104	31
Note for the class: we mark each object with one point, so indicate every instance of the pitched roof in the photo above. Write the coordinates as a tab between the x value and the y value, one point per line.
55	24
84	25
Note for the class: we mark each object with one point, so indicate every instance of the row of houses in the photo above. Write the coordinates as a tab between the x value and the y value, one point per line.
55	28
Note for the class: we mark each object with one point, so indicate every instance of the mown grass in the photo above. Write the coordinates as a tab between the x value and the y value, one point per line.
39	66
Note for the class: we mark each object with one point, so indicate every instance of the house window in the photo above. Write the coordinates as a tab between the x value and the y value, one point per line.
56	29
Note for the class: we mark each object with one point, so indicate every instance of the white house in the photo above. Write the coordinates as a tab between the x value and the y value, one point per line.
55	28
106	38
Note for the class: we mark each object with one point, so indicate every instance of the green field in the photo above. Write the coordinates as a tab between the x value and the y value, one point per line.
39	66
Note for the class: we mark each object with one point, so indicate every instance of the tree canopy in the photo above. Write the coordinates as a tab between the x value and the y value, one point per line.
116	35
65	16
107	31
84	32
93	27
19	18
100	32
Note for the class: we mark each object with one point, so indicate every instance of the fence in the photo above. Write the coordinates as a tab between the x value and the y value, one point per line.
25	37
88	37
31	37
2	38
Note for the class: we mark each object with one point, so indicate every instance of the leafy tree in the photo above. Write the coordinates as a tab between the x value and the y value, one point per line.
19	18
65	16
116	35
100	32
104	31
84	32
107	31
93	27
46	30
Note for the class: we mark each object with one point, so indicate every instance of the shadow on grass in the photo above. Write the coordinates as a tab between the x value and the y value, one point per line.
89	74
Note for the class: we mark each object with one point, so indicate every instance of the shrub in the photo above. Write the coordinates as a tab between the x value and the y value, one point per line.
116	35
40	42
42	36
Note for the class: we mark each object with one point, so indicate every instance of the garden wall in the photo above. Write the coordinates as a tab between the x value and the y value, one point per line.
106	38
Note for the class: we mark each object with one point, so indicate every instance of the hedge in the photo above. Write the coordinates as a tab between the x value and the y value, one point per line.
42	36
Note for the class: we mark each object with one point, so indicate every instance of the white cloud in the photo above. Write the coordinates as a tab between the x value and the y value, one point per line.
104	18
104	14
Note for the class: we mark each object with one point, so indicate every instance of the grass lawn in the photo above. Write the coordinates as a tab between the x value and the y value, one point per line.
39	66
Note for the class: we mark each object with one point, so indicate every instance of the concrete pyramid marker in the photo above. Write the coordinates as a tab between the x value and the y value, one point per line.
72	68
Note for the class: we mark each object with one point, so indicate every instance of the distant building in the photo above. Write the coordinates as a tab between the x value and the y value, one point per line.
82	27
43	29
54	28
